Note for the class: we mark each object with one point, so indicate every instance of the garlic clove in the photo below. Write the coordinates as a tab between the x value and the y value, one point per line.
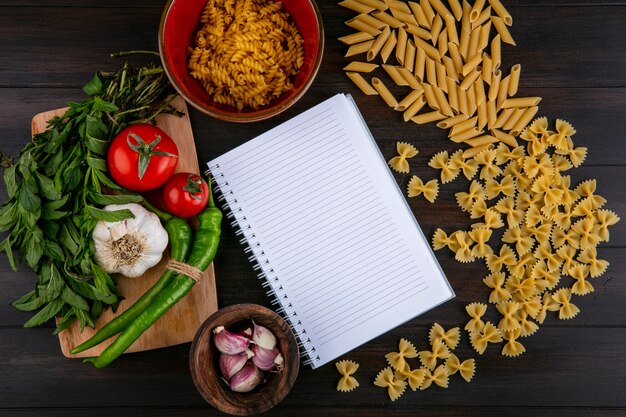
246	379
231	364
279	360
265	359
229	343
263	337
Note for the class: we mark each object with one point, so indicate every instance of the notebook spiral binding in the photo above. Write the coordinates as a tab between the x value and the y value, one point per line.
260	262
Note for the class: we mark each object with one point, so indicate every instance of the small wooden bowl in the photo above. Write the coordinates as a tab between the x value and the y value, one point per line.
205	370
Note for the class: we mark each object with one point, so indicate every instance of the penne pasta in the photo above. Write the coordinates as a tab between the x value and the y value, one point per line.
435	29
505	35
455	55
507	139
484	16
410	79
477	9
386	18
360	82
384	92
431	72
395	75
440	8
463	126
356	6
483	38
514	81
465	19
491	114
418	31
453	97
462	97
410	98
456	8
442	44
465	135
472	47
359	48
430	50
481	141
471	100
524	120
404	16
471	64
487	68
464	43
420	64
513	118
424	118
388	47
503	117
356	66
397	5
378	44
520	102
430	96
503	90
492	95
414	108
356	37
482	115
470	78
444	106
472	152
409	57
450	69
377	4
401	46
371	20
501	11
441	76
419	14
428	10
452	121
479	89
451	29
495	52
362	26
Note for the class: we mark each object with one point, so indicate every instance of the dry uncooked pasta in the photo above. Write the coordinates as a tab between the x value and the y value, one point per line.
399	163
246	53
347	382
386	379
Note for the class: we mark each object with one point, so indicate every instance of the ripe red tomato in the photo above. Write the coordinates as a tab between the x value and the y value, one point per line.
185	194
142	157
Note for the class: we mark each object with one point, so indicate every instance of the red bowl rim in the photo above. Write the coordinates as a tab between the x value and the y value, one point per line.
243	117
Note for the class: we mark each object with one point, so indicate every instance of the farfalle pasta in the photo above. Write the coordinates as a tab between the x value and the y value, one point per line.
567	310
347	382
480	340
466	200
442	162
438	377
466	369
512	347
499	293
397	360
416	187
386	379
414	377
428	358
450	338
476	311
399	163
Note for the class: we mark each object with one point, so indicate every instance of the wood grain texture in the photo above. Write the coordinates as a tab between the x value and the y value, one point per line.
180	323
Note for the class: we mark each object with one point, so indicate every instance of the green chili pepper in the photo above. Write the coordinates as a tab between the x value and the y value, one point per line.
179	234
204	249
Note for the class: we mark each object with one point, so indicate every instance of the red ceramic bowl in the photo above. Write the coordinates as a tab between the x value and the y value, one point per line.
181	21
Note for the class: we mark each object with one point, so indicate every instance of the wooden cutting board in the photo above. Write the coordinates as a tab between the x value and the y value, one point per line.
179	325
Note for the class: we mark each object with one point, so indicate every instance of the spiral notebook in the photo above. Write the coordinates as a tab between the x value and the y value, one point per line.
329	230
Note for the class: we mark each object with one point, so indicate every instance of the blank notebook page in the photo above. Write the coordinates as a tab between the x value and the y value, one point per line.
330	229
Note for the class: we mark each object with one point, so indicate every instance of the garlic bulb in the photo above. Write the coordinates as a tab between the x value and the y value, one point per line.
131	246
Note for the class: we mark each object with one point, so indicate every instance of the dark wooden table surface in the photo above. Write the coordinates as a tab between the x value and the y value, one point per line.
573	55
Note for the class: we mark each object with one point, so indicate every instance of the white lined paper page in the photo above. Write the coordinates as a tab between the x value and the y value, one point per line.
330	228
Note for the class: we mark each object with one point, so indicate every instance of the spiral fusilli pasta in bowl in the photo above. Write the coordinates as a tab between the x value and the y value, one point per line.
241	60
